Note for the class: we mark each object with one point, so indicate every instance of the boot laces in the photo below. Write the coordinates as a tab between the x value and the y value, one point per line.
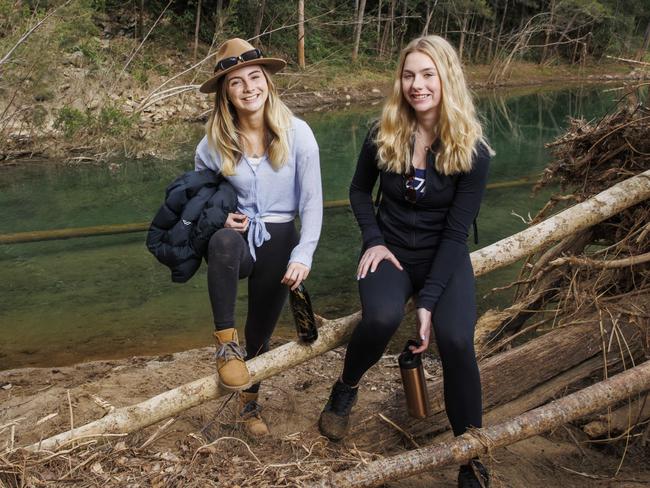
251	409
342	398
230	350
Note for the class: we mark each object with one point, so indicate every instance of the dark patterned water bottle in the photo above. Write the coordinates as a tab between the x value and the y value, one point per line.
303	314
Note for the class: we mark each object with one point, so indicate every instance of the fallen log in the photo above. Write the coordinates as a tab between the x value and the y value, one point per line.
114	229
574	219
481	441
621	419
336	332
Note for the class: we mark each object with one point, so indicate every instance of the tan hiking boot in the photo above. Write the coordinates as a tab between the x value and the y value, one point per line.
231	367
250	415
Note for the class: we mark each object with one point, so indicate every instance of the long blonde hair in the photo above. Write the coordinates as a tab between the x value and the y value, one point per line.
458	127
225	136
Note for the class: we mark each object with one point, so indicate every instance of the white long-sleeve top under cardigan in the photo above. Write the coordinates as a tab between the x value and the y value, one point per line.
264	193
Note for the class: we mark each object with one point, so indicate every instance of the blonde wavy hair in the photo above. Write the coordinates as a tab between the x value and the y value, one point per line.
225	136
458	127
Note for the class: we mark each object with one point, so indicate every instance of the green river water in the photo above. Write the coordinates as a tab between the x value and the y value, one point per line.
68	301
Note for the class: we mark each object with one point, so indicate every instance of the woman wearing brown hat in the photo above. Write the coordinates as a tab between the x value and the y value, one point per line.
271	158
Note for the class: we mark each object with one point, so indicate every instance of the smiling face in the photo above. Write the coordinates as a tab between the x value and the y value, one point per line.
247	89
421	86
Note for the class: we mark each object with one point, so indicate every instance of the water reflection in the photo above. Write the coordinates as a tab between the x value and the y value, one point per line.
68	301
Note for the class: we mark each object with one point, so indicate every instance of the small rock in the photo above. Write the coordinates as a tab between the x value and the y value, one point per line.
375	90
348	97
6	386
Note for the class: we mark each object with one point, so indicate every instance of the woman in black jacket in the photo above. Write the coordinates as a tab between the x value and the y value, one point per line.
431	158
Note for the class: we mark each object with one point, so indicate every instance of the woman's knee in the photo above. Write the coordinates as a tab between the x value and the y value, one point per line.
381	322
453	343
225	242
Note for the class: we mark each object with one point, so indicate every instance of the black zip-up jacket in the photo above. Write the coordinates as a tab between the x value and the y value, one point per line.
197	204
438	222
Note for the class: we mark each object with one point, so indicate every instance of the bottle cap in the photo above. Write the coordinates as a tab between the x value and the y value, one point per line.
408	360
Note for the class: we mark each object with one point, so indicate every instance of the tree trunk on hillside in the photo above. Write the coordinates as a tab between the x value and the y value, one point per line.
220	19
140	26
301	34
463	29
503	21
261	6
548	30
357	29
646	43
430	10
379	28
472	444
402	29
196	28
388	28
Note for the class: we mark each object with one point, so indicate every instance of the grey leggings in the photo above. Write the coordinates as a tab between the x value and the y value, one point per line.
384	294
230	260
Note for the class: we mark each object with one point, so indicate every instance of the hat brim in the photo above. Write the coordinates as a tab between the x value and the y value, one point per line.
272	65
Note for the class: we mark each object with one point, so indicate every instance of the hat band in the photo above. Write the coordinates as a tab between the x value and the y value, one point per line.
229	62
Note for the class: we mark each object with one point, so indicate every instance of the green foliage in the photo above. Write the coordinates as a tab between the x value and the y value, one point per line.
76	25
110	120
113	121
70	120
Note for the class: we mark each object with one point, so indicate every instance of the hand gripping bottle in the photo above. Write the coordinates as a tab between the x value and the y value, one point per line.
303	314
415	387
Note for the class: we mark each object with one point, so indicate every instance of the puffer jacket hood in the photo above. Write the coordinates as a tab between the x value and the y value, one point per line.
197	204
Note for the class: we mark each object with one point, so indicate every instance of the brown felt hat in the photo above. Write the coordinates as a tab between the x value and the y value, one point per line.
237	53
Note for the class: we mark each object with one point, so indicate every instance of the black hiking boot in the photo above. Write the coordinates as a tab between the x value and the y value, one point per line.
335	418
473	475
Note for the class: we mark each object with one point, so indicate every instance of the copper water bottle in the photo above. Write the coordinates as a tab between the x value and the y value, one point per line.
415	387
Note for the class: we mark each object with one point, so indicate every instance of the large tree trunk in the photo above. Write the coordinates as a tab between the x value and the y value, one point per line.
548	30
357	30
261	6
463	30
335	332
197	26
472	444
646	43
301	33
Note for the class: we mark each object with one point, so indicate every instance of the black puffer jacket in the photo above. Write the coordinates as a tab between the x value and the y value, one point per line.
197	204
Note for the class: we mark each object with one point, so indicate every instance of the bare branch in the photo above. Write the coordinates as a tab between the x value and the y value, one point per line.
30	31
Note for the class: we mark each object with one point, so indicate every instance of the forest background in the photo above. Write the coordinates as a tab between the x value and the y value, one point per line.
79	76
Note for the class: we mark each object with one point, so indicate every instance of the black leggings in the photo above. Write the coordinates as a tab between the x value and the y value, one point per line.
384	294
230	260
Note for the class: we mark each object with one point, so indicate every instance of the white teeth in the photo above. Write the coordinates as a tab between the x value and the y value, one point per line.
419	97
